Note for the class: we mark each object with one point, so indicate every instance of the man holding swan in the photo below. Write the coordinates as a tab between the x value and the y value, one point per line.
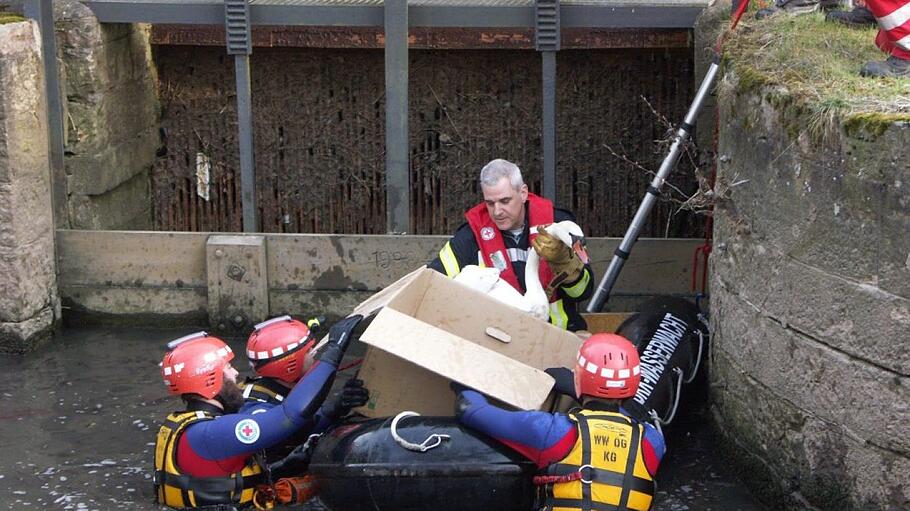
500	233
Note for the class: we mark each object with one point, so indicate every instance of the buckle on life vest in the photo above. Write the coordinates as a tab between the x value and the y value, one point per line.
581	476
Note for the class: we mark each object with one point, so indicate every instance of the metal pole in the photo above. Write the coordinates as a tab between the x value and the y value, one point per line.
397	176
625	247
42	11
548	69
547	39
240	45
245	125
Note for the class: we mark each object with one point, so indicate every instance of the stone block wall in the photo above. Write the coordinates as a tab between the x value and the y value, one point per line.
29	306
810	305
112	119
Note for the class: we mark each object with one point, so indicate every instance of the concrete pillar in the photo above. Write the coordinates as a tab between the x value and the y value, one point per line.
238	289
112	121
29	306
810	302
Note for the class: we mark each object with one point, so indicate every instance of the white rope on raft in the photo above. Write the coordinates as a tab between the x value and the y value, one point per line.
432	441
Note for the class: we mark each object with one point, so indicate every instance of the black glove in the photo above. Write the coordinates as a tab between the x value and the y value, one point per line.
339	339
295	463
353	395
565	380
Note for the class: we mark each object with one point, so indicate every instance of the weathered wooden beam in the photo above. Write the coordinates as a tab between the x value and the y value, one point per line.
424	38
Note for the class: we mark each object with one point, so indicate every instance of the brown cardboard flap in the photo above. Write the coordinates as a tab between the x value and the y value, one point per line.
390	292
453	358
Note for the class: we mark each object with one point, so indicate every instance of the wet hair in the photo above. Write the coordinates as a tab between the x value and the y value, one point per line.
497	169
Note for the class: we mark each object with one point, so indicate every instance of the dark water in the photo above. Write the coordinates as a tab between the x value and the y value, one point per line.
79	419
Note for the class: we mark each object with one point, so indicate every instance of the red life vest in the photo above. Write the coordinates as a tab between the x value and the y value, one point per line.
493	247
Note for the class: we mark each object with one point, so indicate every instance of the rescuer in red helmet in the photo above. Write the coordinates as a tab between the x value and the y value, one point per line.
594	458
280	351
205	455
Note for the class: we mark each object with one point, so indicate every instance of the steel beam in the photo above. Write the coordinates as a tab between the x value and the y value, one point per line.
547	40
42	11
548	121
670	15
239	43
245	128
397	167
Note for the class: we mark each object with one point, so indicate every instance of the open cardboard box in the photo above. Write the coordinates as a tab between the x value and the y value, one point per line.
429	330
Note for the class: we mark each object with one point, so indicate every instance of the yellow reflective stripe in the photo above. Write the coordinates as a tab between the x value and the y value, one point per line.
558	316
449	261
579	287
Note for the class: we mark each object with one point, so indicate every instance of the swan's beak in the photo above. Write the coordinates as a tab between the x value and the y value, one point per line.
578	245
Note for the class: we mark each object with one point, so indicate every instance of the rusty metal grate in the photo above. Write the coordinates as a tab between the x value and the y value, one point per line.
319	135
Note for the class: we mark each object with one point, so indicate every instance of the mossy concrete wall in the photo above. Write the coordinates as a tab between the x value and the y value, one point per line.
112	119
810	303
29	306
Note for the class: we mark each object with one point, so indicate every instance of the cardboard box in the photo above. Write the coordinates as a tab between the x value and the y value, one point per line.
604	322
430	330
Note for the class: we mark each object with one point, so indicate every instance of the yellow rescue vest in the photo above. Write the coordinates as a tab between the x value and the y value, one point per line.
262	390
607	455
178	490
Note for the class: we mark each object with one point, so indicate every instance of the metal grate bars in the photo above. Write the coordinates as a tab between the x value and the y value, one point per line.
237	27
547	25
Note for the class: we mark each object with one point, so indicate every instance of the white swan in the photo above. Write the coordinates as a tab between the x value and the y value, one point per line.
534	301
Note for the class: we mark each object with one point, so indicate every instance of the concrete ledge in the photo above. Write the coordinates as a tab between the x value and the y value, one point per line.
156	274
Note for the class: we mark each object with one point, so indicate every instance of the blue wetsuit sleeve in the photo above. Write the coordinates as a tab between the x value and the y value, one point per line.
246	433
656	439
252	407
536	435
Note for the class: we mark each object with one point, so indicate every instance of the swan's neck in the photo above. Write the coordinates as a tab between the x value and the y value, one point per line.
532	276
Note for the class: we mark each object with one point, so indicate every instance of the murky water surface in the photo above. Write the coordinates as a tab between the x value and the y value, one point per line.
79	419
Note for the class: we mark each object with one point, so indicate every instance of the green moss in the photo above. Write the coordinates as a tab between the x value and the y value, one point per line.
8	17
873	123
809	71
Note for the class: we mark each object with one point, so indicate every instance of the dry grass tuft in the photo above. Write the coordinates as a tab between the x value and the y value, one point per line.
816	65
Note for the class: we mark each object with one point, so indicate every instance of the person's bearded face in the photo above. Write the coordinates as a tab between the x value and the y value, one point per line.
230	396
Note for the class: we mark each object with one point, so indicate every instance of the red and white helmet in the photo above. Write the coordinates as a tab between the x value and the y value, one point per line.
277	348
195	364
608	366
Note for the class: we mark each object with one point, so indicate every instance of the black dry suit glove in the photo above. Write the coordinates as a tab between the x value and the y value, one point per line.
339	338
294	464
353	395
565	380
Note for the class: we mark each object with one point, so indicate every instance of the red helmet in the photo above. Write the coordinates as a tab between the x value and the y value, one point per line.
277	348
195	364
608	367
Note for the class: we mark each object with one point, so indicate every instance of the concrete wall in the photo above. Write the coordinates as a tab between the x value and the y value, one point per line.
810	306
165	277
112	118
28	299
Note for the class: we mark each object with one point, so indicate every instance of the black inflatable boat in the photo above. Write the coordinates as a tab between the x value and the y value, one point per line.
366	466
361	466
